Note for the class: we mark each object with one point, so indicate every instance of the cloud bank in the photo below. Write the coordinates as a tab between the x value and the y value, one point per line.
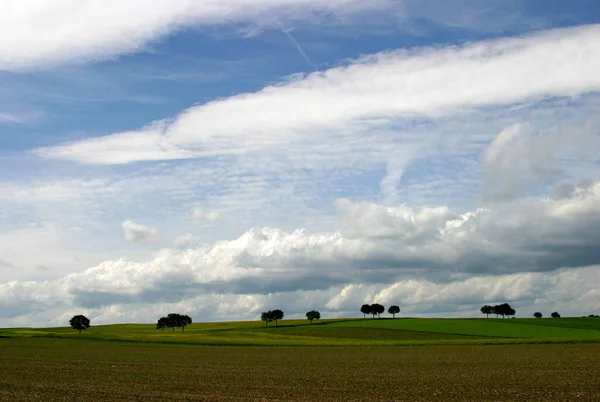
425	255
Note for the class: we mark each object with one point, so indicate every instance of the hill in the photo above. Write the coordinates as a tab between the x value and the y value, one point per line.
344	332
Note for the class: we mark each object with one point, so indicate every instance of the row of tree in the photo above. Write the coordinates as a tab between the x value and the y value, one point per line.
270	316
537	314
173	320
504	310
377	309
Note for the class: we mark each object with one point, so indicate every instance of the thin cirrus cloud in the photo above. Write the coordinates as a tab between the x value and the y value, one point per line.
429	82
41	33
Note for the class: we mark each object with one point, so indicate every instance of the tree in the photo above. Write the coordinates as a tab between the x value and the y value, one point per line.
162	323
487	310
172	321
79	323
511	312
277	315
313	315
377	308
393	310
365	309
537	314
555	315
267	317
184	320
503	309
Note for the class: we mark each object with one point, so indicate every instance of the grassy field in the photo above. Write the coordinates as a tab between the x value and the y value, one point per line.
349	332
41	369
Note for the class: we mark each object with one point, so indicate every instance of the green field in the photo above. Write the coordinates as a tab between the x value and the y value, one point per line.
346	332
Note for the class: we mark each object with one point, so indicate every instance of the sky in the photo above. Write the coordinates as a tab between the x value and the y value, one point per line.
224	158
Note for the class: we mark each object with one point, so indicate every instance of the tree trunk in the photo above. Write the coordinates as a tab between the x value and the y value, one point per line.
79	332
393	315
173	329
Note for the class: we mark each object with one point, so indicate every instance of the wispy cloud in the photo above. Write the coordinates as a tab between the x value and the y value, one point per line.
422	82
297	45
85	31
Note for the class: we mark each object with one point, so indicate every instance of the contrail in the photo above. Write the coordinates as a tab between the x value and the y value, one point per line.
300	50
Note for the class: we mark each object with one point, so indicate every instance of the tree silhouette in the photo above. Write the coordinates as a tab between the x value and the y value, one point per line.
174	320
267	317
365	309
162	323
184	320
277	315
555	315
537	314
487	310
503	309
79	323
377	308
313	315
393	310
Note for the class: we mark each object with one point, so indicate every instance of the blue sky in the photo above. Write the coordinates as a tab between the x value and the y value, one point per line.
230	155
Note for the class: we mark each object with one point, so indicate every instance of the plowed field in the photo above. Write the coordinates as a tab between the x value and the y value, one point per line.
39	369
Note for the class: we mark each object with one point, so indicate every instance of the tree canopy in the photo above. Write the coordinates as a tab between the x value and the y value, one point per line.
555	315
537	314
270	316
377	308
393	310
365	309
79	323
173	321
313	315
277	315
487	310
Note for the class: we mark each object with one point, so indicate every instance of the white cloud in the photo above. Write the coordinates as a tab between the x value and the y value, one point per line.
187	241
366	96
135	232
425	257
202	214
38	33
520	158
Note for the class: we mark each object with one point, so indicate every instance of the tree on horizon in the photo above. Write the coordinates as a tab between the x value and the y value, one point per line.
377	308
313	315
277	315
267	317
537	314
393	310
487	310
555	315
365	309
79	323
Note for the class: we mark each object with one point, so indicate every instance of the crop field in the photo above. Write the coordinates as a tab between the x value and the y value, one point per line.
348	332
68	369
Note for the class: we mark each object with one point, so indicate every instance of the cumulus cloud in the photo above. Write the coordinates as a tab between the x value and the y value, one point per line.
429	255
135	232
39	33
430	82
202	214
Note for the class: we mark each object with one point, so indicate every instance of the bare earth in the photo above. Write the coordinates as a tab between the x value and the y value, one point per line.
67	370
